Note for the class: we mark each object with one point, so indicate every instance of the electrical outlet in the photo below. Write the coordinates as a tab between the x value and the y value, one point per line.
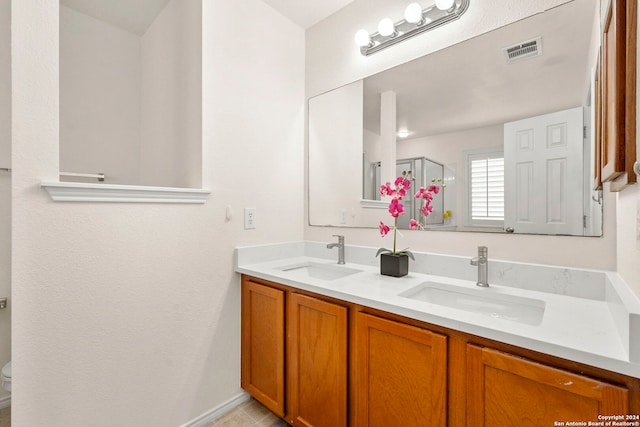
249	218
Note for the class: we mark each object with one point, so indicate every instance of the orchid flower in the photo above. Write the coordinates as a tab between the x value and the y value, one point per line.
384	229
397	192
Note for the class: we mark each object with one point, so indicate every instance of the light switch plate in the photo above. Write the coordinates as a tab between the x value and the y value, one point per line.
342	213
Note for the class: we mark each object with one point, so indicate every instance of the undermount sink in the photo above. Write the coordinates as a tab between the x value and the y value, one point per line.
321	271
481	300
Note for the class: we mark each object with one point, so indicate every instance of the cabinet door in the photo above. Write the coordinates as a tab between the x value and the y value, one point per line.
618	67
401	374
263	344
316	362
504	390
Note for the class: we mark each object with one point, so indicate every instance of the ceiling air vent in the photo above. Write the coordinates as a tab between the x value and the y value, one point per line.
523	50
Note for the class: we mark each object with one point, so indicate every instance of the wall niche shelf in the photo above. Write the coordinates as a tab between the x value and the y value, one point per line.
87	192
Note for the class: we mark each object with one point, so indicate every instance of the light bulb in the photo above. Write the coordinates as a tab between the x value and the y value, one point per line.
386	27
413	13
403	133
444	4
362	38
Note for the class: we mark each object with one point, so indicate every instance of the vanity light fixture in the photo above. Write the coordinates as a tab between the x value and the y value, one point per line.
416	21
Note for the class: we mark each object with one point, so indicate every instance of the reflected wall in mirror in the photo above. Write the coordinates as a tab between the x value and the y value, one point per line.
130	91
5	183
471	108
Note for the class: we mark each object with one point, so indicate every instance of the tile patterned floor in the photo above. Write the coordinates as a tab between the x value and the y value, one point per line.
5	417
248	414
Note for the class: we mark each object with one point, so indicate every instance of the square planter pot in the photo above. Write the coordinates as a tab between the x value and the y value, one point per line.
394	265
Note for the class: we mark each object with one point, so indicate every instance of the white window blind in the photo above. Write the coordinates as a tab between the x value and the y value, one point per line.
486	194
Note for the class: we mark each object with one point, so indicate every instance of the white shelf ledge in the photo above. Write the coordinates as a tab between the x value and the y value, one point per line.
89	192
374	204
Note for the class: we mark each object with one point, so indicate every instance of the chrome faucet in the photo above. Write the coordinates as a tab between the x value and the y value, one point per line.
482	261
340	246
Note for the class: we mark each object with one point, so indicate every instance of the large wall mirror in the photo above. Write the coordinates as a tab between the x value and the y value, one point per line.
503	120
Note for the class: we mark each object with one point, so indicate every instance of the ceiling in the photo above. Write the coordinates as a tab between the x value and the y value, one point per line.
470	84
307	13
134	16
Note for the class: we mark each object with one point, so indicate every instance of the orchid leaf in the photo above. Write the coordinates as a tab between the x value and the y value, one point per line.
383	250
408	253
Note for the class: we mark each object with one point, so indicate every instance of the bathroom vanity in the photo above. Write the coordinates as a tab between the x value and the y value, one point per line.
330	345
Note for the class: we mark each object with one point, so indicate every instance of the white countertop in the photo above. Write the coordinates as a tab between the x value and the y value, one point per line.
597	330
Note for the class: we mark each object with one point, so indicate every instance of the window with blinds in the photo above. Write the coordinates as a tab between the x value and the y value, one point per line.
486	188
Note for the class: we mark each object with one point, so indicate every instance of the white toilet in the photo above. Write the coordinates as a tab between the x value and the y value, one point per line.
6	377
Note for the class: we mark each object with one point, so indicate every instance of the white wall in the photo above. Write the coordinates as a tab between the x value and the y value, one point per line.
335	123
171	97
628	218
628	232
131	106
128	314
5	180
99	98
371	146
333	60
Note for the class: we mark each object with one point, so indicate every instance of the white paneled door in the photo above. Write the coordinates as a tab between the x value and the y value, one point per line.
543	160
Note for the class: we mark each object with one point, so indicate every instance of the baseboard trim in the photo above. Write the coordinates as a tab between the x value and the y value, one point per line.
5	402
218	411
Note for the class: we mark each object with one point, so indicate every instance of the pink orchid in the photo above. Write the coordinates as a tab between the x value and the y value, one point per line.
427	195
384	229
386	190
400	189
396	208
426	210
402	184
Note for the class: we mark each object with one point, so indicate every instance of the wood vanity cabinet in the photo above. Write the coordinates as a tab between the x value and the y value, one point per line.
308	387
262	360
504	390
400	374
318	361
